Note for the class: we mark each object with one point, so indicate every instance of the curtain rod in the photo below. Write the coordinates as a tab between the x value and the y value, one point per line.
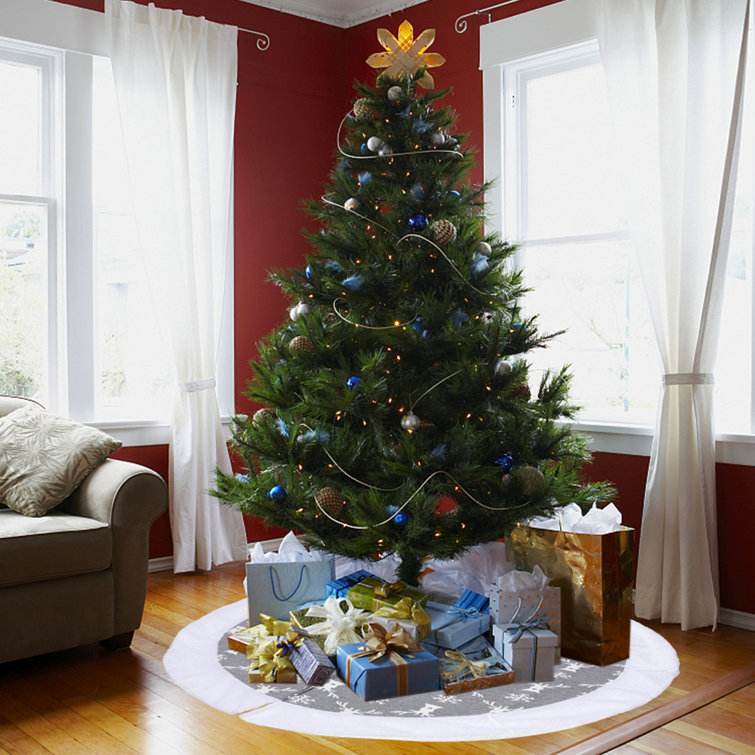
461	23
263	43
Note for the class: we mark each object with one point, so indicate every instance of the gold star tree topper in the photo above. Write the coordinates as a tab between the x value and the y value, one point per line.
406	55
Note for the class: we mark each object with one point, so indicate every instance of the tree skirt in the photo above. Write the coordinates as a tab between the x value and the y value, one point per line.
199	661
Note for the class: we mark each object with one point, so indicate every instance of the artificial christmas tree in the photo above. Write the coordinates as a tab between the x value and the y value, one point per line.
397	413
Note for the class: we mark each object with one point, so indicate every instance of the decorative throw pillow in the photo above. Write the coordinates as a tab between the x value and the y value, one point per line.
44	458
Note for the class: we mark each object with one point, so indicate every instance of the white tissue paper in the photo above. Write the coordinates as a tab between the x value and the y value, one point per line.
522	581
290	549
570	519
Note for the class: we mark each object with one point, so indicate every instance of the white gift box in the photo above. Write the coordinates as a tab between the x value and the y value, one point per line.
533	645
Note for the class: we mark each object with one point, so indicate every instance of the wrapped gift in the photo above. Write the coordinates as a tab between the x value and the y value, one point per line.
268	666
410	616
521	596
594	571
470	599
268	627
307	657
373	593
335	622
481	669
339	587
528	647
451	626
387	664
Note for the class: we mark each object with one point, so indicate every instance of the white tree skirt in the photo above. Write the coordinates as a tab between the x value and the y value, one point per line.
194	663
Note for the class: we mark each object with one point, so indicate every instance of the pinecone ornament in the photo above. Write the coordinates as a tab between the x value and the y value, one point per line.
531	479
330	500
364	109
301	343
443	231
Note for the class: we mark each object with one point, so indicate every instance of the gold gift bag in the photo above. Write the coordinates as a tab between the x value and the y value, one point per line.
595	574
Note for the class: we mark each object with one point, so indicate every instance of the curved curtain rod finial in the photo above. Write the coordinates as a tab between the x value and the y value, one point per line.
461	22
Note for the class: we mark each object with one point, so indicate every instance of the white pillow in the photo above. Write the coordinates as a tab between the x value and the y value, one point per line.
44	458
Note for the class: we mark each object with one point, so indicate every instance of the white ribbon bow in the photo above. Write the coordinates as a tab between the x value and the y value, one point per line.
339	627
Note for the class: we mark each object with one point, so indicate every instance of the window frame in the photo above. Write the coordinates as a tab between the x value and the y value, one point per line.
72	36
563	25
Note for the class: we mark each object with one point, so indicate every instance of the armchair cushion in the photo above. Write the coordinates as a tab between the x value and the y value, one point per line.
44	458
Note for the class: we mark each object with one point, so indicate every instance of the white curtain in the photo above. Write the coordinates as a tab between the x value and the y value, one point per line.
175	78
675	71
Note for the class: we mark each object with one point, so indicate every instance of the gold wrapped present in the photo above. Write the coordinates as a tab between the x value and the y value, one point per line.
373	593
267	665
410	616
595	574
268	627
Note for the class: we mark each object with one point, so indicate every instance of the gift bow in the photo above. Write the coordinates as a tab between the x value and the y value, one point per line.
458	665
264	655
406	608
380	642
386	589
339	627
288	642
519	628
274	626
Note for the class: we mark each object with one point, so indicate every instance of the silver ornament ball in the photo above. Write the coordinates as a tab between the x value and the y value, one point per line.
410	422
502	368
438	138
394	94
374	143
351	204
300	309
484	248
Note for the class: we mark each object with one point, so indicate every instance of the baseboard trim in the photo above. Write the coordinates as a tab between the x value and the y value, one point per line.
738	619
165	563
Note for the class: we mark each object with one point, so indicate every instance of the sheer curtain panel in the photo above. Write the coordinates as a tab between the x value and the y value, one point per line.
675	73
175	78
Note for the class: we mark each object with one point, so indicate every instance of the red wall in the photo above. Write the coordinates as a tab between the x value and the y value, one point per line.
290	101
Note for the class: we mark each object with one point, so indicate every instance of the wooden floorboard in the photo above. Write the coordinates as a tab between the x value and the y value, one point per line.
88	700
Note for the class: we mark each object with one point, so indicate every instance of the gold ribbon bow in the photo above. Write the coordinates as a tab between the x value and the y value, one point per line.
274	626
264	656
458	665
290	640
408	609
381	642
386	589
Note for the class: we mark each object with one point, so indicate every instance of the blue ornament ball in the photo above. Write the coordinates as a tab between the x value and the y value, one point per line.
363	148
353	381
505	462
308	272
401	519
278	493
418	222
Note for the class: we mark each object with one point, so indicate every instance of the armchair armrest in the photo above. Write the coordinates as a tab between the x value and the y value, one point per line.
128	497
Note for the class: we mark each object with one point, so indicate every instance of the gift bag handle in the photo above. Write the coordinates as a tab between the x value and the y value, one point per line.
513	619
291	595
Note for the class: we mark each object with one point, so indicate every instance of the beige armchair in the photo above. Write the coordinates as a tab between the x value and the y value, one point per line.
78	574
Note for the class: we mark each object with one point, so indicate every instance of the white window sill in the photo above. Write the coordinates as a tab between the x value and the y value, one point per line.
143	432
636	440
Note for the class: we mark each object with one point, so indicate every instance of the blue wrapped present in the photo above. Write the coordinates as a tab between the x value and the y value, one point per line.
339	587
470	599
452	626
392	675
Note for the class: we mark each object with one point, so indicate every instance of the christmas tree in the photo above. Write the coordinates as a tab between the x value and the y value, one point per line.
397	413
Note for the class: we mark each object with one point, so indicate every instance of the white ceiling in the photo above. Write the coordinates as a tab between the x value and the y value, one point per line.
343	13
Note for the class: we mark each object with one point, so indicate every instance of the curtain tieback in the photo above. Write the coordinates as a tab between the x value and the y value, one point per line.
197	385
688	378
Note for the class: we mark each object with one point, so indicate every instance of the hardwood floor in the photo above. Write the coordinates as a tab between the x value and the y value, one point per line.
89	700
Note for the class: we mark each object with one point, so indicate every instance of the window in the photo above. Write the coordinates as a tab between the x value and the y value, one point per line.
548	141
77	331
